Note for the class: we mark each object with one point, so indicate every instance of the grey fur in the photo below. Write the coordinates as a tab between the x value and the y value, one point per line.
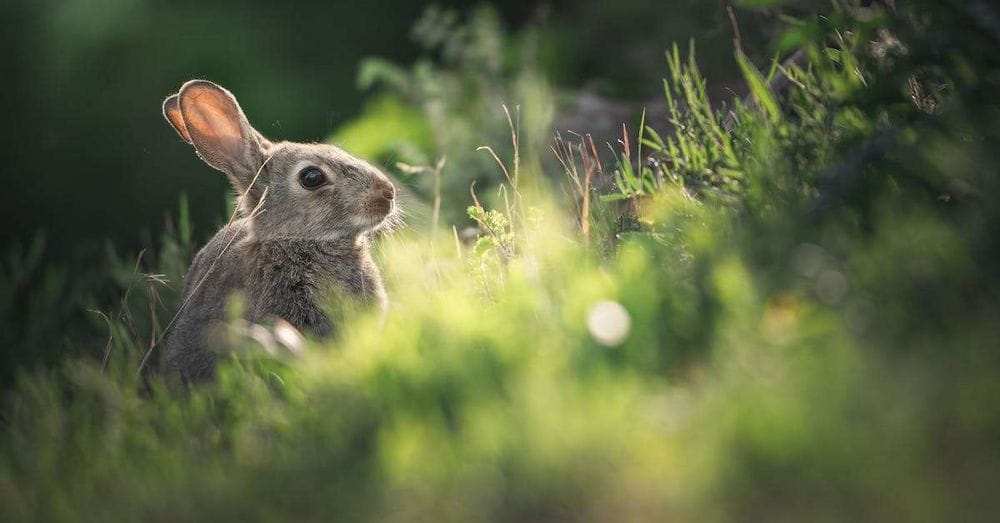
292	244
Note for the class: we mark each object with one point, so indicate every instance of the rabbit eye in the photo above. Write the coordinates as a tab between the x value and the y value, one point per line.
312	178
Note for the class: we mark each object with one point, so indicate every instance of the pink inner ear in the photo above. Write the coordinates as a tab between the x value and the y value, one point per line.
172	111
214	121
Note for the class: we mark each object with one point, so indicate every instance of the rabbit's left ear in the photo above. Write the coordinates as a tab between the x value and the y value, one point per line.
172	112
216	126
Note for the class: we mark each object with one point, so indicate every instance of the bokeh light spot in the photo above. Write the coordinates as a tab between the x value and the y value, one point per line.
609	323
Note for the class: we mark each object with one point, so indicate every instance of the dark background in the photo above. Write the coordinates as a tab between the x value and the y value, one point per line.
86	155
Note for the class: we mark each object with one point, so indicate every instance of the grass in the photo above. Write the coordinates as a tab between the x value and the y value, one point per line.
791	319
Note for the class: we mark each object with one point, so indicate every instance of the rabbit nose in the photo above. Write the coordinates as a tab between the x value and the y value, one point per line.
389	192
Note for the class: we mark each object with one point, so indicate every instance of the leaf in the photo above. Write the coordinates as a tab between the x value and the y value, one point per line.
652	145
483	245
758	87
615	197
375	70
657	141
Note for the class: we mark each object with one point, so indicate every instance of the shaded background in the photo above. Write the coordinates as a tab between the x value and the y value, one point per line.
87	156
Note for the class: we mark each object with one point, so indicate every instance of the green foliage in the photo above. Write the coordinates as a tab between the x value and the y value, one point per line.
111	301
499	232
799	327
388	131
759	88
471	70
701	154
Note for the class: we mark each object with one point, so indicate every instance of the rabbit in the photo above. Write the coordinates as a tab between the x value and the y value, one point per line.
308	211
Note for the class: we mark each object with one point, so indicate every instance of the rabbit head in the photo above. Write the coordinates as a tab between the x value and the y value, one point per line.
287	190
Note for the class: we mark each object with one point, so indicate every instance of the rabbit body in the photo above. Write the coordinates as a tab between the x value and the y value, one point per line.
308	212
282	279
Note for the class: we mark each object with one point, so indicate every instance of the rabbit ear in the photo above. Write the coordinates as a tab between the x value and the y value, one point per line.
220	132
172	112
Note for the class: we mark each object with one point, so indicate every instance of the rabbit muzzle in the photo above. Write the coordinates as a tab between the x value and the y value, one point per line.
381	201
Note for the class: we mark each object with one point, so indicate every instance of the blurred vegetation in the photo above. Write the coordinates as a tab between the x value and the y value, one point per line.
780	307
95	174
90	158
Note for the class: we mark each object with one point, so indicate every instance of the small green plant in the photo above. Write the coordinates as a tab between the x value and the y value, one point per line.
632	182
702	155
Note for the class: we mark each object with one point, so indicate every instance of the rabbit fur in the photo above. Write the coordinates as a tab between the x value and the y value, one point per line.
293	243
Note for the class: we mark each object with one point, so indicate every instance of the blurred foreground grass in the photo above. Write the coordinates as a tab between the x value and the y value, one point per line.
786	312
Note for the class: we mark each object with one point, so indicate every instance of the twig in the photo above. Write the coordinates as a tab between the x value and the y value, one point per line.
436	211
111	337
499	162
588	173
737	37
515	137
124	314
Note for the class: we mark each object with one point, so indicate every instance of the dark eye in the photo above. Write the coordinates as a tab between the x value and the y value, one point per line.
312	178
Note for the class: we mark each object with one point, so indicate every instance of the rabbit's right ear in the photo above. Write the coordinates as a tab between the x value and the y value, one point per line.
208	116
172	112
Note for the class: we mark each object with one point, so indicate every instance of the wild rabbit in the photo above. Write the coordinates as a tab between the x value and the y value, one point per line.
307	211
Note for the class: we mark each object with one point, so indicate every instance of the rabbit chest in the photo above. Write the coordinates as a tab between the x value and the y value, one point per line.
290	278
